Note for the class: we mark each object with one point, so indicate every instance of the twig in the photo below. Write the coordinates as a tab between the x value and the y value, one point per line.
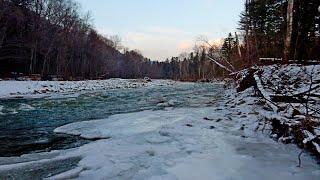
299	157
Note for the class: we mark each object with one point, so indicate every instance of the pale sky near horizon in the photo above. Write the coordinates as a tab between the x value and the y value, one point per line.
161	29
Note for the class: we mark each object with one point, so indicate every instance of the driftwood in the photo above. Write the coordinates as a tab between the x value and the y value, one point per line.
247	81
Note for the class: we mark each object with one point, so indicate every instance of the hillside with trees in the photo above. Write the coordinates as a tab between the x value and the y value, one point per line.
52	37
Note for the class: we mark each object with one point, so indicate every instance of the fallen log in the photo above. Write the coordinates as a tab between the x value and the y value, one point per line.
287	99
294	98
308	91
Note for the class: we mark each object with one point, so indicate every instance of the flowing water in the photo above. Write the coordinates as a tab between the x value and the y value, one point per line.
26	125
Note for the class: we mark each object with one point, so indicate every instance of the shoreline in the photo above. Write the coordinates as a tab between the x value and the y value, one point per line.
40	89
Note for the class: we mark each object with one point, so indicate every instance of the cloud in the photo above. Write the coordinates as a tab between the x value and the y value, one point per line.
185	46
159	43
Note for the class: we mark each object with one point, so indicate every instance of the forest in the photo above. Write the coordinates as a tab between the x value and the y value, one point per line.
54	38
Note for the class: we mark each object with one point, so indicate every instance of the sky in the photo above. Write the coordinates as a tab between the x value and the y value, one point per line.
160	29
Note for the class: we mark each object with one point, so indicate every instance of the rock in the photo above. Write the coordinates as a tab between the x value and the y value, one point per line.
254	113
208	119
97	138
241	102
163	105
189	125
219	120
274	136
171	102
243	136
151	153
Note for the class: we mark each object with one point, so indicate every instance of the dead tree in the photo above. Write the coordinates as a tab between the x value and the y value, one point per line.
216	56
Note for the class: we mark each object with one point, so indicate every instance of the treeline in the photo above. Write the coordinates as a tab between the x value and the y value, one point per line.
288	29
51	37
194	66
284	30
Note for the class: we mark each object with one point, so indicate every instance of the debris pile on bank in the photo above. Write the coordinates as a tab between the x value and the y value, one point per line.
292	93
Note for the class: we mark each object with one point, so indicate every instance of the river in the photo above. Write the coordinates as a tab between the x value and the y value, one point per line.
26	125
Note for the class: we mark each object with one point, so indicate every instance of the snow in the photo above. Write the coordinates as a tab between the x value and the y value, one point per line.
265	94
22	89
74	173
294	81
290	79
125	125
316	146
309	137
217	142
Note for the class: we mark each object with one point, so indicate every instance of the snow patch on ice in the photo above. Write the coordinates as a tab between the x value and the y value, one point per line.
120	125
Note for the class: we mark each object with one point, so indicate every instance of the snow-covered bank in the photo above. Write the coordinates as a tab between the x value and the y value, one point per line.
293	94
19	89
218	142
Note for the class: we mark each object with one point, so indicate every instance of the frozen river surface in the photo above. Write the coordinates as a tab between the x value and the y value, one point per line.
180	131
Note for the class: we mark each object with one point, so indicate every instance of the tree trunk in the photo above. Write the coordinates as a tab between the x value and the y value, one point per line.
288	39
247	33
31	61
238	45
3	33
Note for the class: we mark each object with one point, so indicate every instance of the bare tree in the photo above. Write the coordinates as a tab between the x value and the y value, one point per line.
116	40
